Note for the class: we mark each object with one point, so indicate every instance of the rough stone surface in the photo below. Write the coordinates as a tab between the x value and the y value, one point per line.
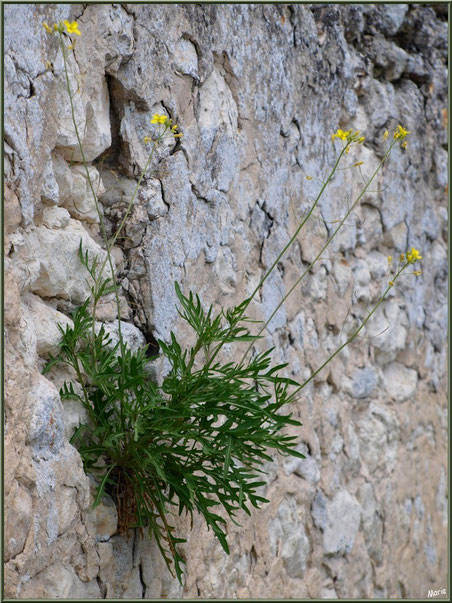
257	91
343	516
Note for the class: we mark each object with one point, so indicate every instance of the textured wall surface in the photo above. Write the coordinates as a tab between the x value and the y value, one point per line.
257	91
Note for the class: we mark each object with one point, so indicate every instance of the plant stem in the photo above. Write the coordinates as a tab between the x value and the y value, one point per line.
351	338
108	245
323	248
283	251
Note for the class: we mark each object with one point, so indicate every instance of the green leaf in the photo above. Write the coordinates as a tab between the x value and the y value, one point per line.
101	487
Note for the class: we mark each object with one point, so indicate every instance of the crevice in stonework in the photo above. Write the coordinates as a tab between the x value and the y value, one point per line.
102	587
143	583
115	158
111	156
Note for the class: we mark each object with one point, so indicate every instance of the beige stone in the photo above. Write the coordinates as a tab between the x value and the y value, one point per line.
58	258
46	321
18	521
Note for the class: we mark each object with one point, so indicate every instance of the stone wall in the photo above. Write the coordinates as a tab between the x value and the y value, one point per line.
257	91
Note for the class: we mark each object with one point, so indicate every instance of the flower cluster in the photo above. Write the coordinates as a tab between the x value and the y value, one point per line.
348	136
63	27
405	259
169	127
413	256
399	134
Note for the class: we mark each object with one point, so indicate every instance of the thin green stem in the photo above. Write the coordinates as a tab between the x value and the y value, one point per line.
297	282
352	337
298	229
281	254
108	245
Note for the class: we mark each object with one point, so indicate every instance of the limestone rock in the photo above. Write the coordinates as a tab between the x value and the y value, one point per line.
18	520
45	429
257	92
75	189
47	319
102	522
343	516
293	542
372	522
400	381
364	382
132	336
55	217
58	257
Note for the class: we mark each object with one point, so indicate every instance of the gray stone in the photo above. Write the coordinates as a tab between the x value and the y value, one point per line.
319	510
343	517
50	189
186	58
294	544
378	433
364	382
372	522
45	428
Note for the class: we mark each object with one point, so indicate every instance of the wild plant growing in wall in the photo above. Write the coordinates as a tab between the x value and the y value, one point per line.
199	440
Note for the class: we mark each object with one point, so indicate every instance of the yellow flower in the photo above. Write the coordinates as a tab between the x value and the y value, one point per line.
308	177
413	256
391	284
389	259
174	128
358	163
402	257
56	27
178	135
347	150
158	119
417	272
46	27
341	134
401	133
72	28
348	136
404	144
147	139
385	135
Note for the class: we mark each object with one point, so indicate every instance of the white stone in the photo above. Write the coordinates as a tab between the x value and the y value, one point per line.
61	273
378	433
307	468
55	217
216	108
400	381
47	319
75	191
92	114
132	336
